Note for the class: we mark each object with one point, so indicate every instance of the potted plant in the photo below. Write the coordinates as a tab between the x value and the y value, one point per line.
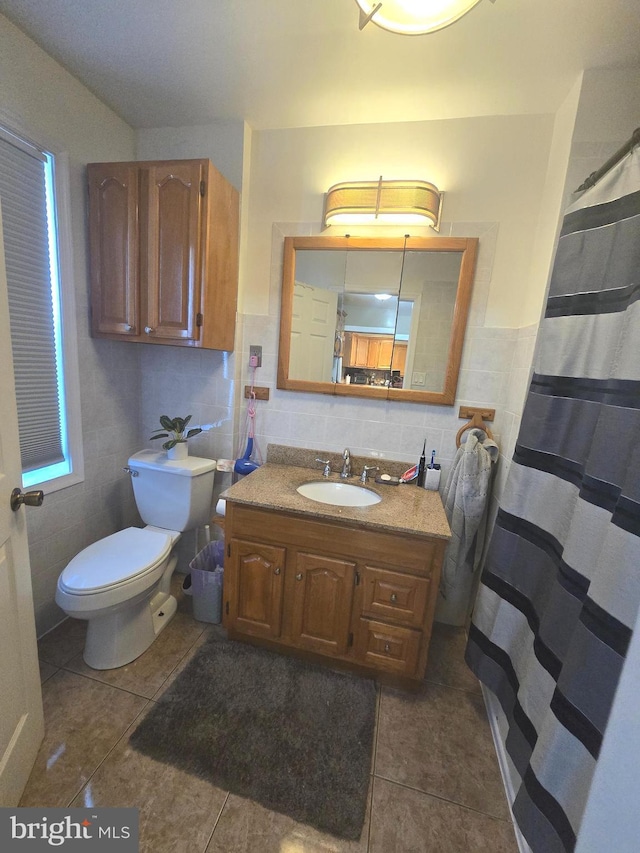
175	430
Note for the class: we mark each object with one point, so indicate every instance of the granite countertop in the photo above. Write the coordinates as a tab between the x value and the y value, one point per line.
403	509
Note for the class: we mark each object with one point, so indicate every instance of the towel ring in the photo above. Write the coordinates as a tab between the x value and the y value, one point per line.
478	418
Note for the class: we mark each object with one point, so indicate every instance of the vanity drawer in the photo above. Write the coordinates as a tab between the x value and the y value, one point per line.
396	596
388	647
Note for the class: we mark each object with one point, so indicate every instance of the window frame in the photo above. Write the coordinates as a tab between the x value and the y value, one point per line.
68	338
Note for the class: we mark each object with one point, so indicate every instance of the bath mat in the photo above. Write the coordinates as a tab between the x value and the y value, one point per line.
294	737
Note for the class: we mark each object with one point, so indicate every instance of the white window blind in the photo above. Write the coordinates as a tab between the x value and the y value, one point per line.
26	196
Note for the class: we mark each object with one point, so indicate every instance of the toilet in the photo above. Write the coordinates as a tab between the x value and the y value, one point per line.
121	584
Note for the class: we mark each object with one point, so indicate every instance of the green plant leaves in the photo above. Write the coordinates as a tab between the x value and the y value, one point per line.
175	430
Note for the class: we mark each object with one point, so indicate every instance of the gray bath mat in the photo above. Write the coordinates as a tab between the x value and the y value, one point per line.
294	737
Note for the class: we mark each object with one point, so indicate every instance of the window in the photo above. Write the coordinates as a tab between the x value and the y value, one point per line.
34	210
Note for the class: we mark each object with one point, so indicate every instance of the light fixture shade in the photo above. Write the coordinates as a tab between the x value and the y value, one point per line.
413	17
383	203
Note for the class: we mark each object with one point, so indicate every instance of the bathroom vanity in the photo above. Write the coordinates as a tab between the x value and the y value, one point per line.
355	587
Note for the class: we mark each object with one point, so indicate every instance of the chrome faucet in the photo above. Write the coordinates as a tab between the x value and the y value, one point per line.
365	471
346	465
327	469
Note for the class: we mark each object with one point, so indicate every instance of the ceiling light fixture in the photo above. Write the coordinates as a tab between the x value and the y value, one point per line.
413	17
383	203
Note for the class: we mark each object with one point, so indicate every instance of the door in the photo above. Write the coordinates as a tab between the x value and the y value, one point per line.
21	719
255	585
313	330
113	236
171	221
321	612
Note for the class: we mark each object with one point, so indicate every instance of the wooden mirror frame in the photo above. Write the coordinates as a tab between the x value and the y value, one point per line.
467	246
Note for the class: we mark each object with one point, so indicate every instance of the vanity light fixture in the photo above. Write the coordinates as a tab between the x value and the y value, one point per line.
383	203
413	17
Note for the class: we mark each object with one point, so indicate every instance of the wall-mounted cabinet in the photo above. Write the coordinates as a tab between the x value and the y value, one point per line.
164	253
376	352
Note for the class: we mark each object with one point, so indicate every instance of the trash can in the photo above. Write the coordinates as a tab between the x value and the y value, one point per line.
207	575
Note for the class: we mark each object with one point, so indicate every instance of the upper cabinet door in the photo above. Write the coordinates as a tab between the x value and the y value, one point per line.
113	234
171	259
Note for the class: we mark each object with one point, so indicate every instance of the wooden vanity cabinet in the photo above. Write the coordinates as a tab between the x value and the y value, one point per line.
164	253
360	598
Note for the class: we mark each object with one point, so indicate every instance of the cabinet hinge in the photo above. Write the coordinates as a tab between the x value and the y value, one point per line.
350	640
202	187
199	319
356	579
227	608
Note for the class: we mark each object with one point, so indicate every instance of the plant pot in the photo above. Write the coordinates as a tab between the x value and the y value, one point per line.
178	451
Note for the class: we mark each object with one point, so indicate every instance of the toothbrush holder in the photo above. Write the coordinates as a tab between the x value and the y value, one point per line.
432	478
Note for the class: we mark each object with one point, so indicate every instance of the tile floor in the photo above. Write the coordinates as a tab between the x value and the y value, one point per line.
435	784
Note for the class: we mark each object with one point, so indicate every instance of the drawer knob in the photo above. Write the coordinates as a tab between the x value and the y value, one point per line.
387	648
277	571
299	576
394	597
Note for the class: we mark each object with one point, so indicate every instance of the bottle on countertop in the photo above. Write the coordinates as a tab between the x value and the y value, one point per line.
422	465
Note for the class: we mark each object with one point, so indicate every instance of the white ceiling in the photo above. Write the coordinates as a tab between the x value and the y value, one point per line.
296	63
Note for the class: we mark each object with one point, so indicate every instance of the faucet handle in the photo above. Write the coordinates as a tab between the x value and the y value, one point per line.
327	469
365	470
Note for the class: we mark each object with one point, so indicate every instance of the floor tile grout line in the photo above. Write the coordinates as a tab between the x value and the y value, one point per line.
106	683
215	825
443	799
108	753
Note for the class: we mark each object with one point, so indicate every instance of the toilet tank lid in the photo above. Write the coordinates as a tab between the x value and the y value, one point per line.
192	466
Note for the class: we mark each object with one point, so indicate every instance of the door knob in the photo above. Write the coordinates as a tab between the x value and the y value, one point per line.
18	497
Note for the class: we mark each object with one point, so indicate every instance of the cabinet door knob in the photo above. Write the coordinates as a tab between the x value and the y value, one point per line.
299	576
387	648
394	597
148	330
128	327
277	571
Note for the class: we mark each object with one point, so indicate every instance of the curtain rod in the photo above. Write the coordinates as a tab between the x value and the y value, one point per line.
594	177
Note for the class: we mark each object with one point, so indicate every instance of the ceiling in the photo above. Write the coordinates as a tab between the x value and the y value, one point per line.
298	63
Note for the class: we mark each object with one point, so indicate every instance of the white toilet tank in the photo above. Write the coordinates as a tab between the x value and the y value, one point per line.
174	494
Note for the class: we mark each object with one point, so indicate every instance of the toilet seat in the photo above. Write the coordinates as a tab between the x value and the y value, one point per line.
115	561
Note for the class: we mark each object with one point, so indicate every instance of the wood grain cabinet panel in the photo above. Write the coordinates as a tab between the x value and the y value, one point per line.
321	603
388	647
115	282
360	598
255	574
393	595
164	253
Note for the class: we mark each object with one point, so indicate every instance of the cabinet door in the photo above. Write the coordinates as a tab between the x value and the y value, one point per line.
321	603
399	359
360	350
113	239
384	356
256	585
171	246
373	352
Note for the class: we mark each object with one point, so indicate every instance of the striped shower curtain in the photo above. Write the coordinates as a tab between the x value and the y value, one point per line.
561	587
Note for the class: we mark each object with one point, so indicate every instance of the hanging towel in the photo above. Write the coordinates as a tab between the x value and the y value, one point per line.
466	503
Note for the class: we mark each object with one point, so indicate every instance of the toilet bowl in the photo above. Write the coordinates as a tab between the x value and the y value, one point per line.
121	584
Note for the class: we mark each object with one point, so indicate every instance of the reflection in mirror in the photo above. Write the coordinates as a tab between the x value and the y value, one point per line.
375	317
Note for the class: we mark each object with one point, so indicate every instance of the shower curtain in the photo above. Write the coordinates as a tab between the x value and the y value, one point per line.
561	586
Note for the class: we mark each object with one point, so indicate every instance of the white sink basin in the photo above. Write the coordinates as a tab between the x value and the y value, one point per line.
338	494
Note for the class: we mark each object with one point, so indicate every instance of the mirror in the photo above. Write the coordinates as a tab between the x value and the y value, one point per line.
375	317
